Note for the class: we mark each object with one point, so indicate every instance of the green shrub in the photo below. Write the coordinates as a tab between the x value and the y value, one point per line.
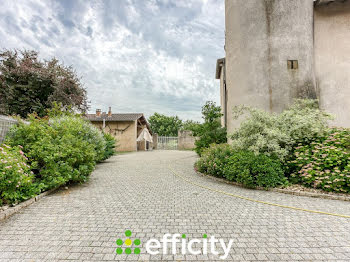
253	170
323	164
210	132
110	146
243	167
276	134
83	130
214	159
61	150
16	179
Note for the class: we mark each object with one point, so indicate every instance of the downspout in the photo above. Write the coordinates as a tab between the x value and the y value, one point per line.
225	92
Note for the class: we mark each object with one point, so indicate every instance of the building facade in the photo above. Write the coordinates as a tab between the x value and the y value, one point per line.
126	128
279	50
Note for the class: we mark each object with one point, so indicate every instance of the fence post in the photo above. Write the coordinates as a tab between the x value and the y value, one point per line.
155	141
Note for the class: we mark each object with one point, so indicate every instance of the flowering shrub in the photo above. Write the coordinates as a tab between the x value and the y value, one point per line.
325	163
16	179
214	159
276	134
243	167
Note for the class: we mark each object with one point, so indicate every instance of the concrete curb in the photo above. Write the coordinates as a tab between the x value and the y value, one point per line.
12	210
284	191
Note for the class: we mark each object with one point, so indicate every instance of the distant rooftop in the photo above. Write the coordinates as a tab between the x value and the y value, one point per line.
114	117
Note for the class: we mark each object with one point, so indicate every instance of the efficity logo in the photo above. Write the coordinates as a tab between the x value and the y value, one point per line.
128	243
176	244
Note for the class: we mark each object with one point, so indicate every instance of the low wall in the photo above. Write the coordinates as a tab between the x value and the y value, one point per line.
185	140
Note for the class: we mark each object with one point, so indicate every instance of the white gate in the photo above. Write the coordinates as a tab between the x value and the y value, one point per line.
167	142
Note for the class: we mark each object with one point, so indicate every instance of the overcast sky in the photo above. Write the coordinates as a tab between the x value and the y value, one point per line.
135	56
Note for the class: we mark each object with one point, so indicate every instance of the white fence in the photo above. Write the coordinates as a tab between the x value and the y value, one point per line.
167	142
5	124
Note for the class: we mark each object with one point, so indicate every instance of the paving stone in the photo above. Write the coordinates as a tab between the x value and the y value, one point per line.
139	192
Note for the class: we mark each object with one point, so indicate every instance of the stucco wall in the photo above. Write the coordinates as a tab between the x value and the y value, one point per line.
332	59
126	140
261	35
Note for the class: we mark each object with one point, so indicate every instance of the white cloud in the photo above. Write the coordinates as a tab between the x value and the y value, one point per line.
136	56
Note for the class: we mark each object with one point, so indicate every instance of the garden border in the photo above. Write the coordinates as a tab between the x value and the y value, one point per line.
12	210
281	190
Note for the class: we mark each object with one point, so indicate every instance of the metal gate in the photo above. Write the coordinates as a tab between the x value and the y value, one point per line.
5	124
167	142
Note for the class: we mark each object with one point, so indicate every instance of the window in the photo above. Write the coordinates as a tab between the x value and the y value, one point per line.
293	64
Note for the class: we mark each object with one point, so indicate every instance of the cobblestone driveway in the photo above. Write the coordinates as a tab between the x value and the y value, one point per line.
137	191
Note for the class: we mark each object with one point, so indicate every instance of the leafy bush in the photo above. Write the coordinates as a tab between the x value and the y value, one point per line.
243	167
83	130
210	132
60	150
110	146
253	170
16	179
214	159
323	164
276	134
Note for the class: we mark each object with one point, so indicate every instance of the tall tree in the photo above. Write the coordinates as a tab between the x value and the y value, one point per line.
28	84
165	125
210	132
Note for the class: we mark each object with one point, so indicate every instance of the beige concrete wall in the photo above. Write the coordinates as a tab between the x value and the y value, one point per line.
261	36
332	59
185	140
126	140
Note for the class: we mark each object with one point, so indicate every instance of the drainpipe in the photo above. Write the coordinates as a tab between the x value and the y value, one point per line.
225	92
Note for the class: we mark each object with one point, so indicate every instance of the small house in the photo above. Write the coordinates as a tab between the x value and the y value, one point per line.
131	130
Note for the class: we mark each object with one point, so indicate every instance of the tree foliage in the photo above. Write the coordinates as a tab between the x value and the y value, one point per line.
190	125
28	84
165	125
210	132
